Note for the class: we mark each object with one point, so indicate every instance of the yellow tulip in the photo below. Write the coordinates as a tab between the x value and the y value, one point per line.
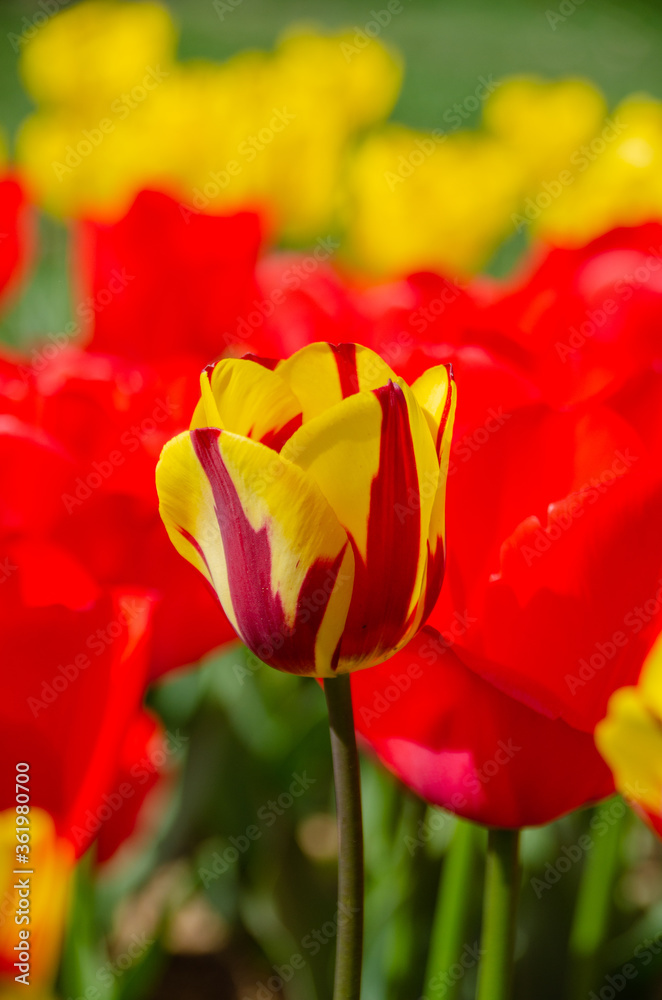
630	736
311	496
88	55
545	122
617	177
116	115
426	201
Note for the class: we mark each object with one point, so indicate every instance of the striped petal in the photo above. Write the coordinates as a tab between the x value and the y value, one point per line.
244	397
321	375
436	392
373	458
261	532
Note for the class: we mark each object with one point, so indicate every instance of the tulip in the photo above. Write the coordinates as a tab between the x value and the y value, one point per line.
68	699
630	739
310	494
551	598
462	189
80	435
162	281
116	113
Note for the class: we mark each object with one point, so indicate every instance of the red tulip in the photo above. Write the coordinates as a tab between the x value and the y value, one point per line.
165	280
553	591
81	440
460	742
138	772
582	321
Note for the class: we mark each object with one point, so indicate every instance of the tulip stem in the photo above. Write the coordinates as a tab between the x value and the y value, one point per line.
502	878
453	910
347	776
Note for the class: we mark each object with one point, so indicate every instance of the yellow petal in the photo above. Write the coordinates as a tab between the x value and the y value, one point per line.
246	398
440	409
434	393
630	740
650	682
262	533
321	375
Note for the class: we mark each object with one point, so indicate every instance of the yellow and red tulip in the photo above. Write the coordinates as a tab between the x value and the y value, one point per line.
310	493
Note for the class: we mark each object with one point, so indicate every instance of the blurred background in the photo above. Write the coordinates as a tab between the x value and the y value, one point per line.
232	870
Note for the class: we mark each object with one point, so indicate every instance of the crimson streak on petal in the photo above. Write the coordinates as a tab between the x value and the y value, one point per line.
384	583
348	373
259	611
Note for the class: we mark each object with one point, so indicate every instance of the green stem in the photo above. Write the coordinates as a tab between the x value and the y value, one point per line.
502	878
453	912
349	945
592	909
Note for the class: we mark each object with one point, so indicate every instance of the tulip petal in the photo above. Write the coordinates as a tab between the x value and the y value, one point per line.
442	406
244	397
630	736
464	745
321	375
630	740
434	391
374	460
266	539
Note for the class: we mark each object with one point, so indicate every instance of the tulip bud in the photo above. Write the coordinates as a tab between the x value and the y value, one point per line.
310	493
